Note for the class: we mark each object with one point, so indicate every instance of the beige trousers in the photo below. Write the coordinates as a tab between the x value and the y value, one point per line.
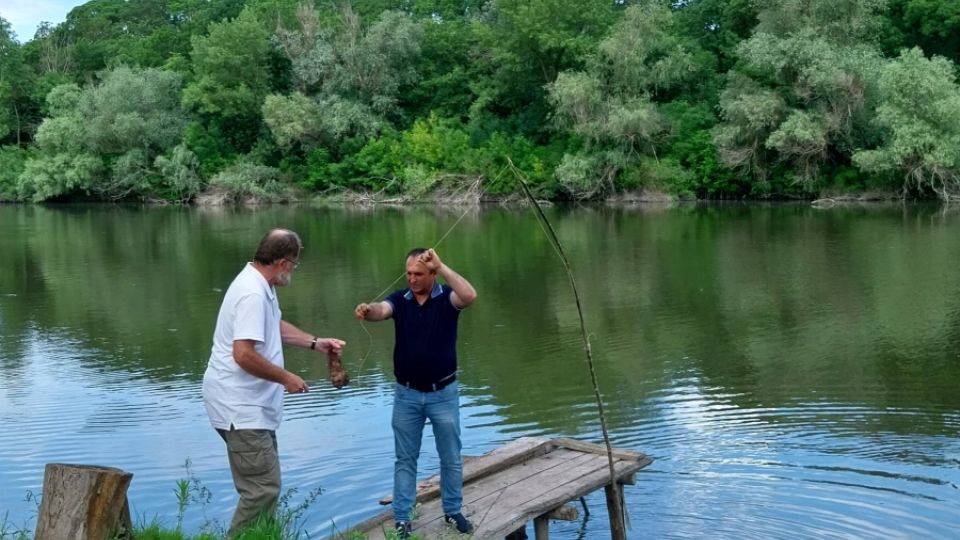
255	465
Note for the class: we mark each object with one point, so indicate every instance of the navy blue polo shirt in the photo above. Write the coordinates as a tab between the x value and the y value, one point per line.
426	336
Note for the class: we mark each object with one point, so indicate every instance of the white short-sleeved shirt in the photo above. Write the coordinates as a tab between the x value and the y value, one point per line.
232	396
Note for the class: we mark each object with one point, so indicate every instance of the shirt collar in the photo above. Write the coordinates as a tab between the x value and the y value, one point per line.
437	291
270	289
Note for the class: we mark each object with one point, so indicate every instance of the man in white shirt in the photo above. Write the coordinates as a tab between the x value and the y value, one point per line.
245	378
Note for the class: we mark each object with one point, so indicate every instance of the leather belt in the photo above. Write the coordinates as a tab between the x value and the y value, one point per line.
432	387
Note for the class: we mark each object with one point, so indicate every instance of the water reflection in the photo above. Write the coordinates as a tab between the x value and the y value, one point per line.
793	370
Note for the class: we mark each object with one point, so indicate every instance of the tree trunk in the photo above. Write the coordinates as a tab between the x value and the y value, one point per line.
16	110
84	502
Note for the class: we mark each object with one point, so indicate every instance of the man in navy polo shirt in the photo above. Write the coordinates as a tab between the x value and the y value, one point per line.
425	319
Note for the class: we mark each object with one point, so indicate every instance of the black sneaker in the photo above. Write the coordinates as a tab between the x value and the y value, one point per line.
403	529
459	521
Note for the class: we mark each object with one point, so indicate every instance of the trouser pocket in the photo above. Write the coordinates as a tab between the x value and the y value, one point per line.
253	452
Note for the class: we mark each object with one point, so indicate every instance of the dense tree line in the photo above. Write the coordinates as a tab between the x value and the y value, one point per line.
178	100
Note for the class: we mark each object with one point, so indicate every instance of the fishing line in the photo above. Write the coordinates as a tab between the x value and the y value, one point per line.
555	241
551	235
473	186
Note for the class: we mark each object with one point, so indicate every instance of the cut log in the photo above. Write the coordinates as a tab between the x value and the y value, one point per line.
84	502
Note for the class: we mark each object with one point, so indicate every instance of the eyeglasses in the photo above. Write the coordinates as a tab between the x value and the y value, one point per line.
293	262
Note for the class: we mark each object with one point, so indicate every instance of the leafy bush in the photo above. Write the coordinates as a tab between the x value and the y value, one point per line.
179	170
246	182
13	159
47	177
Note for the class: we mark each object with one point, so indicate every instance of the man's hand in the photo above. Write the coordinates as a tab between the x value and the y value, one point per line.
330	345
431	260
373	312
294	384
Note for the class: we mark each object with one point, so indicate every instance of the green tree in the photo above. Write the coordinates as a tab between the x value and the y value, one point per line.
348	77
366	65
230	68
718	26
132	108
103	140
524	45
231	75
15	85
449	68
101	31
932	25
611	106
12	161
799	97
920	116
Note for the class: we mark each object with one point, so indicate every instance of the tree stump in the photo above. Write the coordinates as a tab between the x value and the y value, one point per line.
84	502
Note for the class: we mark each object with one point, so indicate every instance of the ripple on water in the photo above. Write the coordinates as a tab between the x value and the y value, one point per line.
800	471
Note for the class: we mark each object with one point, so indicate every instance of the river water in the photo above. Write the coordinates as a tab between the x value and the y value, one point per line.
795	372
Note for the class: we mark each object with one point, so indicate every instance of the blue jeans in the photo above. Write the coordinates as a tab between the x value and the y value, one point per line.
411	409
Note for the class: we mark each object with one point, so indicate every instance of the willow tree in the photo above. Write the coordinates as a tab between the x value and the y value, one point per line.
347	76
919	113
104	139
609	105
799	96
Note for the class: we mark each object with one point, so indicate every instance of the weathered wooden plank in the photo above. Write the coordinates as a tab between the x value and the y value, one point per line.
522	481
431	482
541	500
474	467
512	505
371	527
482	495
583	446
489	486
552	465
494	461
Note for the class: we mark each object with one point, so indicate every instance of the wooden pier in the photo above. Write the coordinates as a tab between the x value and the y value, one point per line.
531	478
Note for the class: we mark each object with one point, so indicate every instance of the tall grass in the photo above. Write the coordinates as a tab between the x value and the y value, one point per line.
286	524
8	531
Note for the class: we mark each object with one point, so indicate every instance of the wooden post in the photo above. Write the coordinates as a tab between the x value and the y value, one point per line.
541	528
84	502
618	529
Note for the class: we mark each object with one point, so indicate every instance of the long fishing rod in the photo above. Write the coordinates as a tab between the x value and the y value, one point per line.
551	234
558	247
